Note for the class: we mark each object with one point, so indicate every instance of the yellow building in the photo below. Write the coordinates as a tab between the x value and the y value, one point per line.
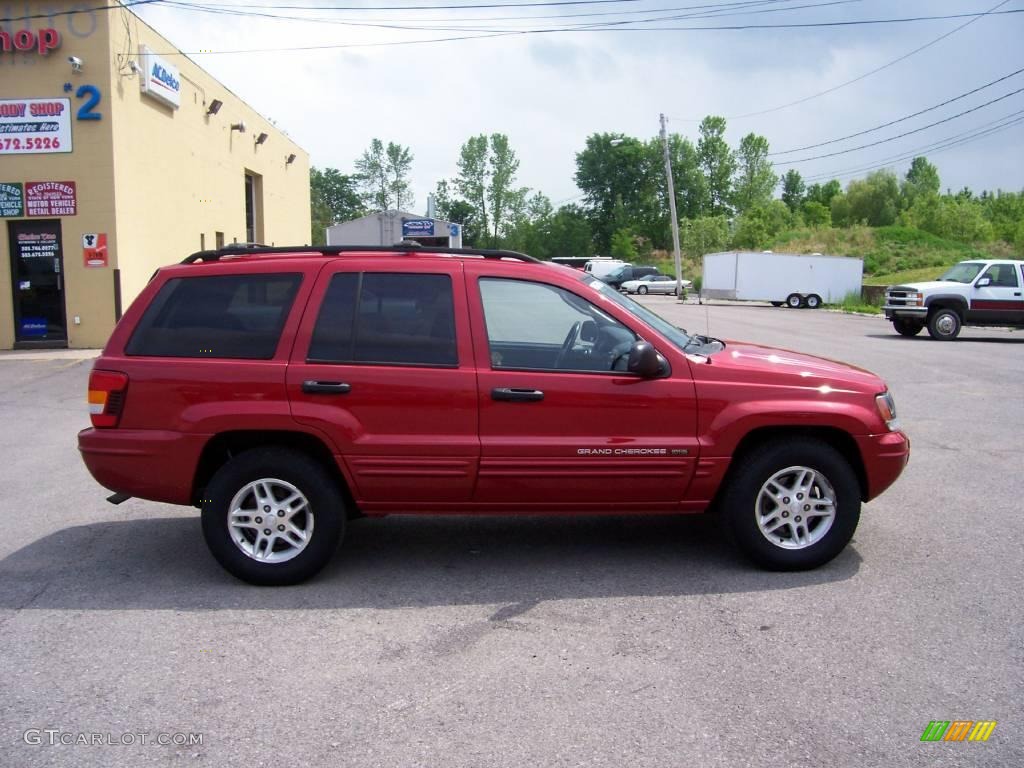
119	155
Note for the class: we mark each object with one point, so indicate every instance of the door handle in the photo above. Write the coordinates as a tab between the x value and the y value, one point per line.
312	387
512	394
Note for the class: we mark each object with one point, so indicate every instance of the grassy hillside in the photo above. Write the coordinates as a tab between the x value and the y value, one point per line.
891	254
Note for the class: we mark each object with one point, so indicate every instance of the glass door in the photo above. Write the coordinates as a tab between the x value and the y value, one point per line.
37	282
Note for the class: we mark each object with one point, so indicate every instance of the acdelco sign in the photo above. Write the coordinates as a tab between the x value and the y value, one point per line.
25	40
160	79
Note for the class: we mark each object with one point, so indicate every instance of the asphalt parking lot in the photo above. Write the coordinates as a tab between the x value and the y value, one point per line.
533	642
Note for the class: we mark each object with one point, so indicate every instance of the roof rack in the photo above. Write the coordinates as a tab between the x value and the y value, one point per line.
250	249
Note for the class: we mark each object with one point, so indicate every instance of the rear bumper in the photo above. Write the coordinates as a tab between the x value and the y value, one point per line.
885	456
146	463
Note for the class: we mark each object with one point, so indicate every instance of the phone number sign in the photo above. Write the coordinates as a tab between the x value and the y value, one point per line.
35	126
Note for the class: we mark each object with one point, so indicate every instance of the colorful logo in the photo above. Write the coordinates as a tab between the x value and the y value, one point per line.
958	730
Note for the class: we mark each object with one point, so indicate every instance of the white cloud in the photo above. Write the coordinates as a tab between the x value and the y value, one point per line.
549	92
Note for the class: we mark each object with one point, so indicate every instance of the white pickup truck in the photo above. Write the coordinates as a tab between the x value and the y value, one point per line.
979	293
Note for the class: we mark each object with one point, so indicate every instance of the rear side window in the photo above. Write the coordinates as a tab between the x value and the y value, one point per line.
228	316
385	318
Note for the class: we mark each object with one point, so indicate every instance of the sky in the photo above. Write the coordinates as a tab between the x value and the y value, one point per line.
368	78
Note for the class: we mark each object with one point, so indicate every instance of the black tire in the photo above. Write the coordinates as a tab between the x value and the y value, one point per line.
944	324
778	303
297	469
642	289
906	327
740	501
813	301
794	301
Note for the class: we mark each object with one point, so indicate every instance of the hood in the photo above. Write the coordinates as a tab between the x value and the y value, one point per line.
783	367
930	285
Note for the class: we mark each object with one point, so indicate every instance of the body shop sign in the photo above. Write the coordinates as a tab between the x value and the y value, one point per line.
51	198
35	126
12	200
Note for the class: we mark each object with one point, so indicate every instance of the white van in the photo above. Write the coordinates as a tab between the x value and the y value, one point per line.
601	268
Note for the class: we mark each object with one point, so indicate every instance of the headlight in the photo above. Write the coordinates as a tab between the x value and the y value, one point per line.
887	410
915	299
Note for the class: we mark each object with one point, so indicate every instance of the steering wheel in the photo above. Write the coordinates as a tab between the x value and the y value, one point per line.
619	355
568	344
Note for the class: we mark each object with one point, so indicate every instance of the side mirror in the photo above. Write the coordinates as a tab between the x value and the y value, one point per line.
983	282
644	360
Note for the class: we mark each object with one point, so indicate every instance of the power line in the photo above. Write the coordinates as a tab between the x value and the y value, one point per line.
734	27
907	133
867	74
714	10
114	7
899	120
967	137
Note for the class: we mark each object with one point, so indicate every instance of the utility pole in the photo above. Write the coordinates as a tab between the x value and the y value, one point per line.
672	209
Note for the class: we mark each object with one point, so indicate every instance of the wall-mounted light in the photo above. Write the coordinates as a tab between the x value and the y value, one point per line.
239	126
289	159
76	63
134	67
261	138
214	107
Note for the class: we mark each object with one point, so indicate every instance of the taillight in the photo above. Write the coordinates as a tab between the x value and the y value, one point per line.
106	397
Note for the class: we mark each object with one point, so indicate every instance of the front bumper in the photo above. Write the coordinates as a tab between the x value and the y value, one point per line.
885	456
909	313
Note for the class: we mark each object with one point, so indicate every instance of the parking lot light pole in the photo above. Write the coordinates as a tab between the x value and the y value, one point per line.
672	211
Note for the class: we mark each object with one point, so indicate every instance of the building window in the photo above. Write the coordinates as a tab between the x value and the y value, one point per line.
253	208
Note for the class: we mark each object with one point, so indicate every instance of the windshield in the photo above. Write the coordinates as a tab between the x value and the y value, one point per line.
964	272
677	336
615	274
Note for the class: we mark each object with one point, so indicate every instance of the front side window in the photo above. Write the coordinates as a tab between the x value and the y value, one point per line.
535	326
386	318
227	316
1002	276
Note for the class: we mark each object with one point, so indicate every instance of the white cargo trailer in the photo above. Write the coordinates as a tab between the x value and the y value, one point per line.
790	279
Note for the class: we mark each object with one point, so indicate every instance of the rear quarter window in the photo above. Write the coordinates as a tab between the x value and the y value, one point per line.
228	316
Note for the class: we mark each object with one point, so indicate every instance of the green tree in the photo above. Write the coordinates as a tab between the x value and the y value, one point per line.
922	179
718	164
755	176
823	193
569	233
758	227
874	200
333	197
619	178
623	245
398	166
487	170
1005	210
503	198
703	234
816	215
687	178
383	176
1018	239
840	211
456	210
793	190
954	218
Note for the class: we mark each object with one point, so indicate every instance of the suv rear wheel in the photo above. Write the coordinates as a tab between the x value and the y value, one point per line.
272	516
792	505
944	324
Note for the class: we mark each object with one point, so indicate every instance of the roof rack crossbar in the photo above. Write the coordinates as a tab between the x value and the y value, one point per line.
334	250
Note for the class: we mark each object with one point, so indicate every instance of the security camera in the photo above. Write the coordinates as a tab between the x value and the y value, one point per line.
76	63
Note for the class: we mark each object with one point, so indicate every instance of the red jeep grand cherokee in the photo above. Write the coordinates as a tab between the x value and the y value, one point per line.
284	390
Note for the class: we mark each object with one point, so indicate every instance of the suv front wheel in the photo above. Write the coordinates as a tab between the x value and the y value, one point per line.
272	516
792	505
